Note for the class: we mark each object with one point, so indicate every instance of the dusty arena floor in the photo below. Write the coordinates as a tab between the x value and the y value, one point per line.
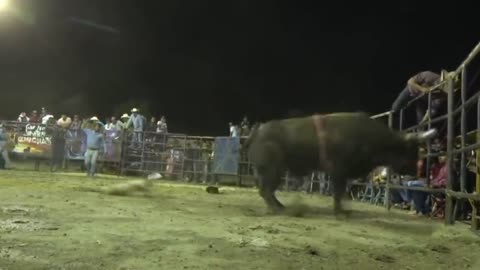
49	221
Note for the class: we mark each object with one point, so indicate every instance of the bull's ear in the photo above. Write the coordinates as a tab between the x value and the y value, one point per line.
427	135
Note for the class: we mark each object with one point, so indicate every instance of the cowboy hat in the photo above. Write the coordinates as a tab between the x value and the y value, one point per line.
94	118
134	110
124	116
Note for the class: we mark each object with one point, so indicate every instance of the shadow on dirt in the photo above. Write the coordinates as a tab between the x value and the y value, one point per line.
388	220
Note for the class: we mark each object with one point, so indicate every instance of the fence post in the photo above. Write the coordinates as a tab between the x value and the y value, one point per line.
429	143
401	120
450	155
477	182
463	130
389	170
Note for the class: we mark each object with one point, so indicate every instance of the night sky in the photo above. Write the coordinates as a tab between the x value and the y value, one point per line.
205	63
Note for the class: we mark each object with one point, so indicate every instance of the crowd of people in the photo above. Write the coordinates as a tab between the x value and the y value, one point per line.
94	129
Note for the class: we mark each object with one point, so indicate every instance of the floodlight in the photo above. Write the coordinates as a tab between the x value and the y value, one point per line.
4	4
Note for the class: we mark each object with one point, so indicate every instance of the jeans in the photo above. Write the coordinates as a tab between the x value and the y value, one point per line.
419	197
91	156
136	138
4	153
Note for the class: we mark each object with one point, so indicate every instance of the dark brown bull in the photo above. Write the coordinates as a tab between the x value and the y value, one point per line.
344	145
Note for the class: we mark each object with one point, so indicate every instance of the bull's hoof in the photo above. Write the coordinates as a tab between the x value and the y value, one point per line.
343	214
276	210
212	190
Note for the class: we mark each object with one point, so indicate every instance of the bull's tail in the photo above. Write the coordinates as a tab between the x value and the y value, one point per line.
251	136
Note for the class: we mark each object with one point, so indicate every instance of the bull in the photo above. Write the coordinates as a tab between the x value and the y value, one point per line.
344	145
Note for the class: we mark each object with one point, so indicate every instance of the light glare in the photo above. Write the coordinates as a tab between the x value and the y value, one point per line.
3	5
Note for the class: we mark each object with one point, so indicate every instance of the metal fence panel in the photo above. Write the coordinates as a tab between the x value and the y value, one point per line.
227	155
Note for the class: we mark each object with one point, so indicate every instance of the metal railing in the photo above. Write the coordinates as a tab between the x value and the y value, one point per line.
451	152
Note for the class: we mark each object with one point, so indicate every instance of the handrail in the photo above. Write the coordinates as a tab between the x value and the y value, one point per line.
467	104
381	115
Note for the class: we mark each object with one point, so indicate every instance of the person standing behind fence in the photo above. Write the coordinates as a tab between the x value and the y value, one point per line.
64	121
418	85
95	143
137	120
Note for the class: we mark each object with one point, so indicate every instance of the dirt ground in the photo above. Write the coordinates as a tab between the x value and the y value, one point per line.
48	221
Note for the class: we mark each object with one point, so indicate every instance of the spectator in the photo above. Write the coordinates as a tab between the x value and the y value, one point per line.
152	125
418	85
137	120
232	128
95	142
46	118
64	121
123	121
162	125
76	123
439	173
23	118
112	124
34	117
43	113
245	127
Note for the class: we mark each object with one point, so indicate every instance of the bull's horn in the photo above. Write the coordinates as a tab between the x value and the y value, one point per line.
427	135
411	136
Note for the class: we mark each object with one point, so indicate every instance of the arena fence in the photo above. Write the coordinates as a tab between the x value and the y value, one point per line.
455	191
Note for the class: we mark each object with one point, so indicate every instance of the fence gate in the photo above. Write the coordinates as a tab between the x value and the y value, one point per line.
227	155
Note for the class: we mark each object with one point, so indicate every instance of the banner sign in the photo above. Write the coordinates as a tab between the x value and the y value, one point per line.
76	145
34	139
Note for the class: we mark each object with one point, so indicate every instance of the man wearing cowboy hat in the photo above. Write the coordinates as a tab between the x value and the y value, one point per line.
420	85
138	122
95	143
122	123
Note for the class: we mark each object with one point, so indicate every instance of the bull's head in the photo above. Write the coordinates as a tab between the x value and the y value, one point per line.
408	155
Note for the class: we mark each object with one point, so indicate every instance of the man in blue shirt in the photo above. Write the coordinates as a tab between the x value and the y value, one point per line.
95	143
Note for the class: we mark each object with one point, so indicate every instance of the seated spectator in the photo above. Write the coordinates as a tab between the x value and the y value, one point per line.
439	173
438	178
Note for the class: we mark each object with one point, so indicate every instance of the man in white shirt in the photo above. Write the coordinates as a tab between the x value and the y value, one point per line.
64	121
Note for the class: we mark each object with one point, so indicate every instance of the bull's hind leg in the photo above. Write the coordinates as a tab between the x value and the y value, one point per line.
269	180
339	187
